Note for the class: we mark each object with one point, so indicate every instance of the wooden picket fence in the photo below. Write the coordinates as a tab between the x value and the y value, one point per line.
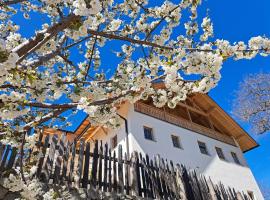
98	168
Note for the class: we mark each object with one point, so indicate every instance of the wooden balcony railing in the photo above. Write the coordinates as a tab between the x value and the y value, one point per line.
173	119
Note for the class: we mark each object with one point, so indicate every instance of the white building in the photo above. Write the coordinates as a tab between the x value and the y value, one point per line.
197	133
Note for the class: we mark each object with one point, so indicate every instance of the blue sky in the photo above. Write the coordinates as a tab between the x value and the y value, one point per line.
233	20
239	20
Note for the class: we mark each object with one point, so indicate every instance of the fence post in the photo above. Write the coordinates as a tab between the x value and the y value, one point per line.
114	173
133	174
179	183
42	155
80	164
110	171
50	158
2	148
59	159
71	166
100	165
11	158
94	165
127	172
142	171
65	161
105	172
4	158
86	166
120	170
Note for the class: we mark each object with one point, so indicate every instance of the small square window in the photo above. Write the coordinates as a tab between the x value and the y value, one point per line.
148	133
235	158
176	141
220	153
203	148
114	141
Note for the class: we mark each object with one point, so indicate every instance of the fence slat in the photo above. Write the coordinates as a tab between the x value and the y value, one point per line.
149	179
42	155
133	175
188	187
110	171
105	172
3	163
86	166
59	158
100	165
2	149
126	174
146	178
120	170
50	159
144	190
65	161
11	158
158	177
168	180
114	173
173	181
94	165
80	163
71	166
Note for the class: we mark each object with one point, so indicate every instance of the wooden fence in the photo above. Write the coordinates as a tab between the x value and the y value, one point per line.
76	165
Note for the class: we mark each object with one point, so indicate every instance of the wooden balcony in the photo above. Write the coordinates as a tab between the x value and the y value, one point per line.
178	121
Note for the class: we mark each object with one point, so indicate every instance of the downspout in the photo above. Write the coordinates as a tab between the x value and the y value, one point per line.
126	130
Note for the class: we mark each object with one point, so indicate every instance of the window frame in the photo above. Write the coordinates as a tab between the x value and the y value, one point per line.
178	141
114	141
235	158
222	157
206	149
152	133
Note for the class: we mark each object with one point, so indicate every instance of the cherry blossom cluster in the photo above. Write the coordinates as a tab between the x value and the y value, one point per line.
60	68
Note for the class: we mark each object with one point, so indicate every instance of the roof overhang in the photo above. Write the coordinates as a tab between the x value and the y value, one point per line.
245	141
209	106
225	121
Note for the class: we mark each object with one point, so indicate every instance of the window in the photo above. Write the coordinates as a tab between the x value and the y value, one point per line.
148	133
114	141
203	147
176	141
235	158
220	153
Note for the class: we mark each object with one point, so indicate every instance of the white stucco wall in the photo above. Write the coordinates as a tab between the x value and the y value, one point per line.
229	173
106	138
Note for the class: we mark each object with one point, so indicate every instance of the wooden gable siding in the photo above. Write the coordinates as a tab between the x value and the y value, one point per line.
164	115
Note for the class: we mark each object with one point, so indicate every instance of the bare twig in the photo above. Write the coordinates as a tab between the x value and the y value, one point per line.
9	3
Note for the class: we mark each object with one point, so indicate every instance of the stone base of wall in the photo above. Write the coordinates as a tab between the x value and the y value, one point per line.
81	194
5	194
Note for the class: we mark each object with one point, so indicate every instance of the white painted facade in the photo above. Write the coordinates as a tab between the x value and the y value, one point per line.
226	171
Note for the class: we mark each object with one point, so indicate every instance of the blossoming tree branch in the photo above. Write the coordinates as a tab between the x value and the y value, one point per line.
36	71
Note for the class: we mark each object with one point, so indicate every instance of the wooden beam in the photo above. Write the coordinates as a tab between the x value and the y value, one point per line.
192	109
92	134
210	122
210	110
239	137
104	130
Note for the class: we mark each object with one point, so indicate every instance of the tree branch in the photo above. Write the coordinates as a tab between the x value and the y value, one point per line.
8	3
42	37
